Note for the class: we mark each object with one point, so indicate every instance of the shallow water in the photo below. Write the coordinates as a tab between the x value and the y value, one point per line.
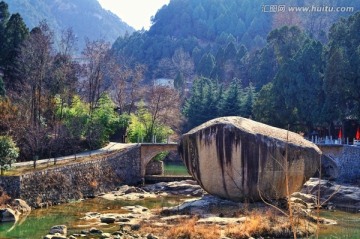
175	168
39	222
348	225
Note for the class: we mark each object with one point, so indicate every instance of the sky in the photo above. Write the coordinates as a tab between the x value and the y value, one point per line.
136	13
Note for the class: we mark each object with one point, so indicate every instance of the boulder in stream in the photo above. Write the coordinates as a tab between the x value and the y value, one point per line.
243	160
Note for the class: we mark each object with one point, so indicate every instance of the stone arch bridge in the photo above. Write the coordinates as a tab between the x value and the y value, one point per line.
116	164
149	150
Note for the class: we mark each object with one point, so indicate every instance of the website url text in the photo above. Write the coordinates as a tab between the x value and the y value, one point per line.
284	8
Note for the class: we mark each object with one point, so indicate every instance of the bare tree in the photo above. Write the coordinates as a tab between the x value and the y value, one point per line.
33	63
183	63
62	84
180	63
67	44
32	95
165	68
126	87
119	83
135	88
163	105
96	62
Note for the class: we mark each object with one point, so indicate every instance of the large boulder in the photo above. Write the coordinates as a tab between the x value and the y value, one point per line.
244	160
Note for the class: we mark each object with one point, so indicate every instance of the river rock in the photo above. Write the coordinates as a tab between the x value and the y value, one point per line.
94	230
55	236
105	235
21	206
208	204
128	193
58	229
108	219
236	158
185	188
8	215
333	195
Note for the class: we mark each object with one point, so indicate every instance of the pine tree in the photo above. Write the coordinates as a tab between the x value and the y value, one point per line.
202	105
248	102
179	82
231	105
4	18
206	65
15	34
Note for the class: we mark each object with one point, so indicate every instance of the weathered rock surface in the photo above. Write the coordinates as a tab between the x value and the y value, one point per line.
236	158
21	206
130	193
58	229
208	204
185	188
335	196
57	232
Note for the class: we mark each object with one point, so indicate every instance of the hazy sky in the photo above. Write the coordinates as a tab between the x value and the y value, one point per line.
136	13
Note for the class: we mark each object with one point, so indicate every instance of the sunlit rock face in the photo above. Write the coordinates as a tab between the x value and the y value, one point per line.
236	158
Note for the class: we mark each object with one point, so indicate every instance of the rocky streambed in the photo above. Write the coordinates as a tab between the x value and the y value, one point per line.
199	215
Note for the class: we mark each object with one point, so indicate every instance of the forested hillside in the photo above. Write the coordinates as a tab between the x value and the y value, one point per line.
86	17
243	59
227	57
205	27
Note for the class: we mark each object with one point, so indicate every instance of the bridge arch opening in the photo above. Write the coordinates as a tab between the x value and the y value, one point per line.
149	151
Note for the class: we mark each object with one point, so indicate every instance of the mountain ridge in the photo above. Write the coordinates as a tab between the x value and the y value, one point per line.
86	17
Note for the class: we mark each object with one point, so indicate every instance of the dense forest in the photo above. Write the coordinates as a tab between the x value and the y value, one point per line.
226	58
278	68
204	27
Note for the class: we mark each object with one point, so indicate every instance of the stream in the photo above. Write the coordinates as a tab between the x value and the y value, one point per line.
38	223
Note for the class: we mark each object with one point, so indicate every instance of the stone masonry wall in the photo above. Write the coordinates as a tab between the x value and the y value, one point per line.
11	184
79	180
347	158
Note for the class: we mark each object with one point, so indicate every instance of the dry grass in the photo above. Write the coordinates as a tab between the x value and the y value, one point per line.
183	229
269	223
190	230
255	225
264	222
